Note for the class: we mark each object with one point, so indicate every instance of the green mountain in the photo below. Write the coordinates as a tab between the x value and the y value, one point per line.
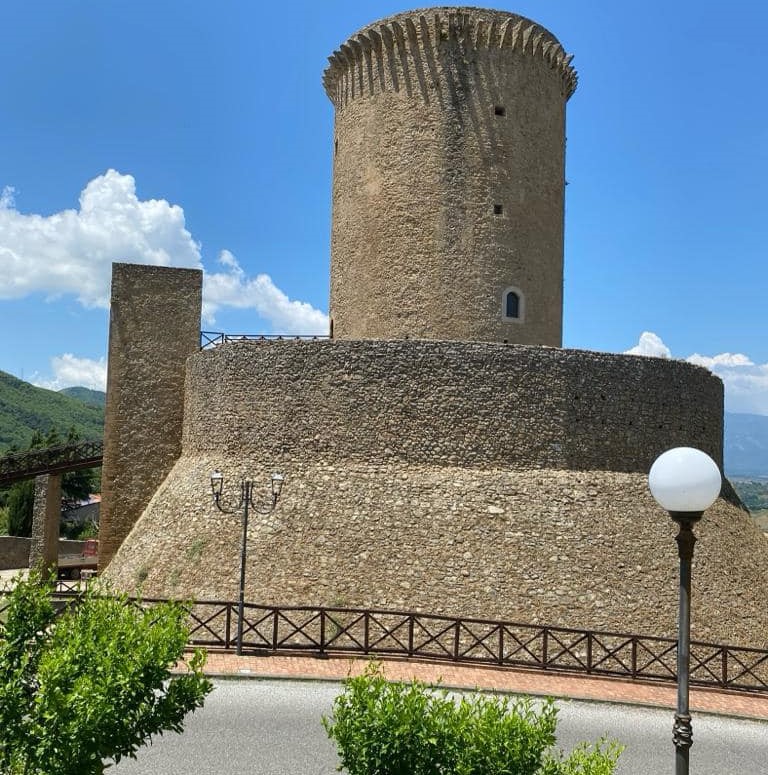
25	408
86	395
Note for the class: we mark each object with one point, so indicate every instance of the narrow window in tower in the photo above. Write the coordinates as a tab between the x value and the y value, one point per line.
335	146
498	209
499	110
512	305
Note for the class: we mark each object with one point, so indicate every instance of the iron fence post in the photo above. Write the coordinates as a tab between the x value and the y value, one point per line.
724	664
456	644
634	657
275	628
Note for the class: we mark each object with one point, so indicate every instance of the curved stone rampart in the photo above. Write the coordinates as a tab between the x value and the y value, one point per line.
505	482
447	403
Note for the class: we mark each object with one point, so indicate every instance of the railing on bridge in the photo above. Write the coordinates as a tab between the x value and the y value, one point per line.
64	457
211	339
323	632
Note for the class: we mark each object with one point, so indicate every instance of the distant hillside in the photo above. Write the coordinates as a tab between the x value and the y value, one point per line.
25	408
86	395
746	445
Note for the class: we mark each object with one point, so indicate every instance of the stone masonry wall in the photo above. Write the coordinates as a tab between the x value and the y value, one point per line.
14	552
456	478
46	514
154	326
447	403
584	549
448	177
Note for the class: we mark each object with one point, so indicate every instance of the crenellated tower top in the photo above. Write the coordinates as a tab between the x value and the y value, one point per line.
400	51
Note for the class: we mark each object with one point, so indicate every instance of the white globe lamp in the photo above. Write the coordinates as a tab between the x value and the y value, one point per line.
685	480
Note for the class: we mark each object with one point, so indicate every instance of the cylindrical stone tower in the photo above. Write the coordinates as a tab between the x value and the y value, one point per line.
448	182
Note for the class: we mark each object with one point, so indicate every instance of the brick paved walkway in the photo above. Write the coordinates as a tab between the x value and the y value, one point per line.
505	680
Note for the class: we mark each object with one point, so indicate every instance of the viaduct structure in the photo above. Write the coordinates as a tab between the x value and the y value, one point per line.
442	453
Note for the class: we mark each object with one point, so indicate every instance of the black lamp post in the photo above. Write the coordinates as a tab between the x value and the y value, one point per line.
246	503
685	482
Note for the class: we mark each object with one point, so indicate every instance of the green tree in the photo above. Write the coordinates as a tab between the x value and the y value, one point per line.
383	728
75	485
91	685
20	503
21	498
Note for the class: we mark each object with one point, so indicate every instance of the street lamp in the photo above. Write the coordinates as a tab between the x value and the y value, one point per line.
246	503
685	482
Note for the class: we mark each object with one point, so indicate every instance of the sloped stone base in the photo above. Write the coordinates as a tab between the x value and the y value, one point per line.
586	549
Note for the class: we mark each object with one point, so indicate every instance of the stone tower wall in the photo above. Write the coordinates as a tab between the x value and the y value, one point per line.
154	326
440	202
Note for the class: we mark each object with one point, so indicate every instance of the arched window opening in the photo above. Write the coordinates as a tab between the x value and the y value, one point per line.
512	305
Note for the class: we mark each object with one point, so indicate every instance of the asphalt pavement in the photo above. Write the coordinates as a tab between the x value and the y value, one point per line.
272	727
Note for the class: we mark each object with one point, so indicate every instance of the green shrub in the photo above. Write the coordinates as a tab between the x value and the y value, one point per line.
599	759
90	684
383	728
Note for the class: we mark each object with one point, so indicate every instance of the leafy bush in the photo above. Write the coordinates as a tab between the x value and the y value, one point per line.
90	683
383	728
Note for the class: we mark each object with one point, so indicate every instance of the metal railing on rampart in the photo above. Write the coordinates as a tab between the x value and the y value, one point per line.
50	460
327	631
211	339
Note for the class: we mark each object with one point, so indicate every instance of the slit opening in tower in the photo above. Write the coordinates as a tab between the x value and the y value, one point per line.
498	209
499	110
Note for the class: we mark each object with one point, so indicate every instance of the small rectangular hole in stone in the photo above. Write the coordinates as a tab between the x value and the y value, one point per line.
498	209
499	110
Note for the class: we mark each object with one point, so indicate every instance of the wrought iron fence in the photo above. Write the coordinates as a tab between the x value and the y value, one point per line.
211	339
325	632
63	457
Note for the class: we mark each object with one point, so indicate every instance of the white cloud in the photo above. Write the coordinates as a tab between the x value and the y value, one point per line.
7	198
232	288
724	359
71	252
70	371
651	346
746	383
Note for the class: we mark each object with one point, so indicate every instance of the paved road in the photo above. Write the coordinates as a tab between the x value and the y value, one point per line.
263	727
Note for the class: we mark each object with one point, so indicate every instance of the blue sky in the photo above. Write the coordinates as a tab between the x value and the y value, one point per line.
198	133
